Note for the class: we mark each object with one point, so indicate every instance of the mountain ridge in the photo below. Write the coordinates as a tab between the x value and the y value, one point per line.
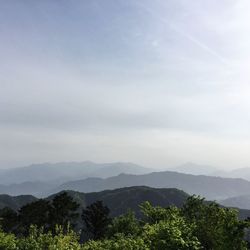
118	200
65	171
208	186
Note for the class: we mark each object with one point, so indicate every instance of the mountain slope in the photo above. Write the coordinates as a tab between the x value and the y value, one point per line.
238	201
212	188
119	200
15	202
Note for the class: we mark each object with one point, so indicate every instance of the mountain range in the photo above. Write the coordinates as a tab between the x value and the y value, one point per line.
210	187
66	171
197	169
40	179
119	201
45	179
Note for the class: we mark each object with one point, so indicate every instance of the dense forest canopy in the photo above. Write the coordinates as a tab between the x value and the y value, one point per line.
51	225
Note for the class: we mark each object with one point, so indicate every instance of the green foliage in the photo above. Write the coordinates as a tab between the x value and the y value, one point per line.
118	243
156	214
38	240
198	225
216	227
167	229
125	224
173	234
7	241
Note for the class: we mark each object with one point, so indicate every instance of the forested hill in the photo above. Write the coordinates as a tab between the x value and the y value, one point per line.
118	200
57	222
212	188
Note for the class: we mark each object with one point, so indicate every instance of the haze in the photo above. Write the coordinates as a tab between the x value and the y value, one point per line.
157	83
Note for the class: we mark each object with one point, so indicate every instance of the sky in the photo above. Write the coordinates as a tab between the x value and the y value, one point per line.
158	83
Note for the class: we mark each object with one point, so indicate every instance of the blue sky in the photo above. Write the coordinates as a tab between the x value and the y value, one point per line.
157	83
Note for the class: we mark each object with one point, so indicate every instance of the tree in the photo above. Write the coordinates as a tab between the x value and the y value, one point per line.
7	241
8	219
125	224
34	213
96	219
63	211
166	228
37	239
47	214
216	227
155	214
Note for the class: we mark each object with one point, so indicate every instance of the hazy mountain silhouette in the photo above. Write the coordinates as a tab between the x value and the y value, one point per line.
238	201
196	169
208	186
32	188
44	179
66	171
